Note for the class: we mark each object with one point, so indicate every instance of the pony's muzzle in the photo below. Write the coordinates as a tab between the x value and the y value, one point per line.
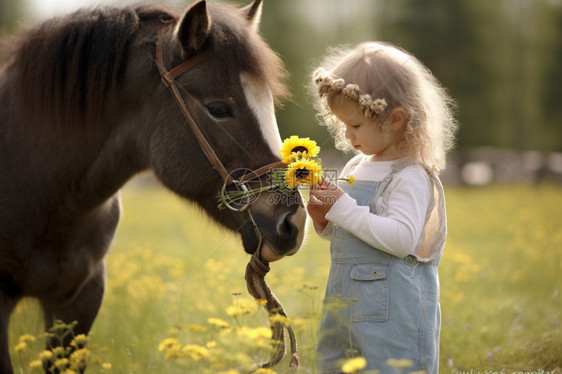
289	228
285	229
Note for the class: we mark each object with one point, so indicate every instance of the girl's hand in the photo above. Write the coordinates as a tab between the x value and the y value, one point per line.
322	197
326	193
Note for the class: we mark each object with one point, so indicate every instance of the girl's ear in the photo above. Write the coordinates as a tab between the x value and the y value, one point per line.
193	29
397	119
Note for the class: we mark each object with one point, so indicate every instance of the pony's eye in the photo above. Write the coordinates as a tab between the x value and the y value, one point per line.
219	110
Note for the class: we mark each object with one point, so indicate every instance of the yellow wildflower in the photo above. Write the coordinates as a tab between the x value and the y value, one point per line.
196	328
294	144
211	344
59	352
35	364
265	371
106	366
218	322
62	363
242	306
255	333
173	352
279	319
21	346
79	358
46	355
299	324
167	344
261	302
353	365
351	179
79	341
236	310
27	338
399	363
195	351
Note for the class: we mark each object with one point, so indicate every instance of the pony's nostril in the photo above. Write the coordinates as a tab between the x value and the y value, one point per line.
285	228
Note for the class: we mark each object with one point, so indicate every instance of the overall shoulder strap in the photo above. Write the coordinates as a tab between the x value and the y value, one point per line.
399	166
435	229
382	185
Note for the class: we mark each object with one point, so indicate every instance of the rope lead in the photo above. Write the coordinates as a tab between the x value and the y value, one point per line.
256	270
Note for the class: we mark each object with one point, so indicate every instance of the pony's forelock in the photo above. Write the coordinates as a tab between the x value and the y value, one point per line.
236	39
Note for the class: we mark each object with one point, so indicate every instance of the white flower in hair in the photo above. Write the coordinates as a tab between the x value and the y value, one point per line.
365	101
371	106
338	84
323	87
378	106
323	80
321	75
318	72
351	91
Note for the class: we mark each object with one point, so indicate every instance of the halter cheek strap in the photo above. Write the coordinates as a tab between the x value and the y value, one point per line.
168	77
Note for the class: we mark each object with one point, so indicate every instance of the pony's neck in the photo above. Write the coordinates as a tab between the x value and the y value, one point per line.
120	158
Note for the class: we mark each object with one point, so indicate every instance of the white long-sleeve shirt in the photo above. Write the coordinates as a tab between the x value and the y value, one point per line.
401	211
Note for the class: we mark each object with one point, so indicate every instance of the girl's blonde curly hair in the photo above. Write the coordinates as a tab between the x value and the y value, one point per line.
382	77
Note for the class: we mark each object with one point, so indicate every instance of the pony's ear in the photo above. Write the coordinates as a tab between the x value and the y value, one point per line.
193	29
252	13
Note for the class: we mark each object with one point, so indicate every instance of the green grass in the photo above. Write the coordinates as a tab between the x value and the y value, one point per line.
170	270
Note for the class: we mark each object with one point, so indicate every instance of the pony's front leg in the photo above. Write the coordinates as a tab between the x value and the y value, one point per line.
6	307
82	309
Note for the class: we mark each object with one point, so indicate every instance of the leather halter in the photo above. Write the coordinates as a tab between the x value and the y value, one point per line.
257	268
168	77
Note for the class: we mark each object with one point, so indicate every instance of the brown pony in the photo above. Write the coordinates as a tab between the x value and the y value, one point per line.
83	109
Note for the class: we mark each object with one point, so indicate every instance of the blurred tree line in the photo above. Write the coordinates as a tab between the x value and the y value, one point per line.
500	59
10	12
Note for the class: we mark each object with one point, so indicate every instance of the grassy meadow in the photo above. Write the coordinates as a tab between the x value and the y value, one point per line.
176	300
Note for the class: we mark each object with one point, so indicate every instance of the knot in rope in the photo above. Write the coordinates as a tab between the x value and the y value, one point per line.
256	271
259	266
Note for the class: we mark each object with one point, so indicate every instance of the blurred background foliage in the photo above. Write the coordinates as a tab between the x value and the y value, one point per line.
501	59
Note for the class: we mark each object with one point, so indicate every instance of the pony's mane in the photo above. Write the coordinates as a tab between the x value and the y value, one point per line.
66	66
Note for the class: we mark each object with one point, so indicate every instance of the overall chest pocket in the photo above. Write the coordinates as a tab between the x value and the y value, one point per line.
370	292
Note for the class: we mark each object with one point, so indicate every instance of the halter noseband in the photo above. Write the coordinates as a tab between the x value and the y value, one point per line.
168	77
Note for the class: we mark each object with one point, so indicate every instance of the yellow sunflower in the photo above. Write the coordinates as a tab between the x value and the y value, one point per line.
294	144
303	171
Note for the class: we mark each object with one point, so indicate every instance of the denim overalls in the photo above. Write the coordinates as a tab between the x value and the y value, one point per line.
377	305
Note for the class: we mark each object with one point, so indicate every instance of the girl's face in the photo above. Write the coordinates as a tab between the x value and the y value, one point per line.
364	134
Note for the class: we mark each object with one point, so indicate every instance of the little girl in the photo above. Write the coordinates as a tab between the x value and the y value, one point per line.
388	228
